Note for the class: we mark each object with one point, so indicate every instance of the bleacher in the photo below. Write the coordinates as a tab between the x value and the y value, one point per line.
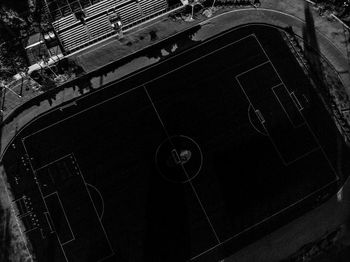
74	35
103	6
64	22
150	6
100	27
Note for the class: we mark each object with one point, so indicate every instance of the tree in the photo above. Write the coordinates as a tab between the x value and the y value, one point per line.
13	57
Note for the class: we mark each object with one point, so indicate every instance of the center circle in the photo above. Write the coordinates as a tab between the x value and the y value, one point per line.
179	159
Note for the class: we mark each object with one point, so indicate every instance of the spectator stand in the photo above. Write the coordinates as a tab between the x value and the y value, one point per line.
115	21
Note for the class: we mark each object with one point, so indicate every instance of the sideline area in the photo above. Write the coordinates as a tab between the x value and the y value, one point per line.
281	13
287	239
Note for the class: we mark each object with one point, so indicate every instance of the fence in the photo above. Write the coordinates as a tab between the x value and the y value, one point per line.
337	98
342	113
330	87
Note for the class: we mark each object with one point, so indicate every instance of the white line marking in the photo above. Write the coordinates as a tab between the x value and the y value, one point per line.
24	214
156	111
304	155
315	137
119	80
296	101
299	111
106	257
284	109
276	147
276	85
51	177
274	68
50	195
272	141
201	204
72	157
41	193
263	124
92	202
30	230
319	144
201	159
207	41
18	199
52	162
251	122
134	88
264	220
100	195
80	112
68	241
246	95
64	213
46	214
272	11
21	207
253	68
183	168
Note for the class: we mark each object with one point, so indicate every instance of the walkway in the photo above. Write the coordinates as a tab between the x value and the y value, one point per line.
289	238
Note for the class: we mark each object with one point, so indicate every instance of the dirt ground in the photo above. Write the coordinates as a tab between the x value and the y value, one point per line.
299	240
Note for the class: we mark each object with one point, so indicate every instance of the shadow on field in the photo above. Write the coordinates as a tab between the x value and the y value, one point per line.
312	54
311	45
318	71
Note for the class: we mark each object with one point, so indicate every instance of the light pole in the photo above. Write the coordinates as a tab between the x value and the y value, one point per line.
193	3
45	61
4	86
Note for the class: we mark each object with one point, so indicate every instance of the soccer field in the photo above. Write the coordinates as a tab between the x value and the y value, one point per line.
189	159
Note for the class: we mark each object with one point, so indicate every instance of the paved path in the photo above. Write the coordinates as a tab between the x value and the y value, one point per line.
331	41
289	238
329	216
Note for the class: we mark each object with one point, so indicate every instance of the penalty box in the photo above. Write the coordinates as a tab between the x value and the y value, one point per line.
280	112
71	213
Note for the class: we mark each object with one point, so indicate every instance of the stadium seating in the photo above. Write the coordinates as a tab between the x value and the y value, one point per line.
74	35
99	27
150	6
64	22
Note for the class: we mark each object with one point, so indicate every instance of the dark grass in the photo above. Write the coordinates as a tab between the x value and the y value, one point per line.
242	181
